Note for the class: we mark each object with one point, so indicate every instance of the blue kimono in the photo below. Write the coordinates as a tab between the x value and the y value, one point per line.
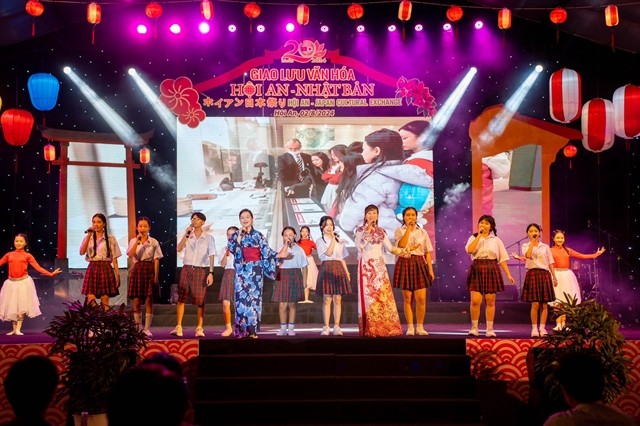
249	282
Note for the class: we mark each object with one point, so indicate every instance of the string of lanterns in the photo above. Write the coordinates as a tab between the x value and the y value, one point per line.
355	11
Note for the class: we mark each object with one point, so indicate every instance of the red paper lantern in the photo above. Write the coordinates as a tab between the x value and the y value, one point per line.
626	111
35	9
252	10
404	10
206	8
355	11
302	14
16	126
611	18
145	155
49	152
504	18
153	10
454	13
597	125
94	13
570	151
558	15
565	95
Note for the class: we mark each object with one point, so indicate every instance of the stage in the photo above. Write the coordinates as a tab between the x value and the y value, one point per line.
500	360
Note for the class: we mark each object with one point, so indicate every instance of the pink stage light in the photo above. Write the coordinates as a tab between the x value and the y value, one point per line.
419	27
290	27
204	28
478	25
142	29
447	27
360	28
324	29
391	28
232	28
260	28
175	28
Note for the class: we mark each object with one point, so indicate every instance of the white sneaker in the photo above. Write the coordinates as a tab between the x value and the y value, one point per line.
420	331
281	332
410	331
147	332
291	333
11	333
337	331
542	332
473	332
177	331
199	332
325	331
535	333
490	333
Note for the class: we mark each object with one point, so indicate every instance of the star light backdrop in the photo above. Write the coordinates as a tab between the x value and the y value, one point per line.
602	189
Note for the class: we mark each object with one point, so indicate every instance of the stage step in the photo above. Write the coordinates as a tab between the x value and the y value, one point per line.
332	380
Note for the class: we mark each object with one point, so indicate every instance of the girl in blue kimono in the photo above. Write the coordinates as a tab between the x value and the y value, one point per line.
253	258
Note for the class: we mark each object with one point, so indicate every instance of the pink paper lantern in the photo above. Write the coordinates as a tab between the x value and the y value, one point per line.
565	95
626	111
597	125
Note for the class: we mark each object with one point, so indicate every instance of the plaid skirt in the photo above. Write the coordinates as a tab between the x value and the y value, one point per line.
485	277
228	285
193	284
538	286
290	288
100	279
332	279
141	280
411	273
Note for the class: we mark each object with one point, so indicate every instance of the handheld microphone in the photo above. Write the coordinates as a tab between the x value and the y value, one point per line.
336	236
89	231
188	232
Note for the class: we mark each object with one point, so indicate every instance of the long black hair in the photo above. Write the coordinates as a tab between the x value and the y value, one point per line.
103	218
323	224
390	144
348	180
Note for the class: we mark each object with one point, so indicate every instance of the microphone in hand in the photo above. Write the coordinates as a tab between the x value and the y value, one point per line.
189	229
89	231
336	236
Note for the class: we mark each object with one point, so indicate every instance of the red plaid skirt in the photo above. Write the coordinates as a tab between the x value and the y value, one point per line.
411	273
332	279
228	285
193	284
141	280
485	277
290	287
538	286
100	279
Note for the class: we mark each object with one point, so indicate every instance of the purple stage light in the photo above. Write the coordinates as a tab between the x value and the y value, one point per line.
478	25
290	27
391	28
175	28
419	27
232	28
204	27
142	29
447	27
360	28
324	28
260	28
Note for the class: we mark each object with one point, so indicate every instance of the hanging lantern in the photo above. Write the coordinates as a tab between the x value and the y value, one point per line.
94	16
0	102
454	13
145	158
597	125
49	155
404	10
565	95
252	11
558	15
35	9
302	14
206	8
154	11
504	18
355	11
611	18
16	126
626	112
43	91
570	151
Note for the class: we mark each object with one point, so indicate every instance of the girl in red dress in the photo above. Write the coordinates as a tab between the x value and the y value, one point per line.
310	271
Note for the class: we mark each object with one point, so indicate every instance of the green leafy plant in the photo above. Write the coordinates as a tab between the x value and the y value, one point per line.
97	345
590	329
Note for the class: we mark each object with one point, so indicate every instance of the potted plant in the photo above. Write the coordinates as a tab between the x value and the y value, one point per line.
590	329
97	345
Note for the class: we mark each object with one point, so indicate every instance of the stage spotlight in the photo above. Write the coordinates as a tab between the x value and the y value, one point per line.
478	25
175	28
204	28
232	28
391	28
142	29
290	27
539	68
447	27
419	27
260	28
324	28
132	71
66	70
360	28
167	117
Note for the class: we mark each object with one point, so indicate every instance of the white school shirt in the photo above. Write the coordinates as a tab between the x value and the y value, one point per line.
101	250
221	253
541	256
198	250
298	261
339	250
147	251
490	248
418	236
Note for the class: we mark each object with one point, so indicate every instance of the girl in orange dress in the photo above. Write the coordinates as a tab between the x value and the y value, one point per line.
310	272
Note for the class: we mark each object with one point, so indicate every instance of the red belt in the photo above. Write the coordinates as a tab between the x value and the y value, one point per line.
251	254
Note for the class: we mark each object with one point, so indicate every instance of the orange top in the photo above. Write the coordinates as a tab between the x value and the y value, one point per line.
307	245
561	257
19	261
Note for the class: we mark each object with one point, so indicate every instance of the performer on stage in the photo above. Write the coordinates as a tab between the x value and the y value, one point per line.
18	295
567	281
539	280
289	289
484	279
102	251
253	258
228	284
414	269
334	279
309	272
377	310
197	271
145	252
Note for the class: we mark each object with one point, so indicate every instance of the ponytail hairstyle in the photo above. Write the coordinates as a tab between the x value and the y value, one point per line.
103	218
323	224
348	181
390	144
308	231
564	245
492	224
367	209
